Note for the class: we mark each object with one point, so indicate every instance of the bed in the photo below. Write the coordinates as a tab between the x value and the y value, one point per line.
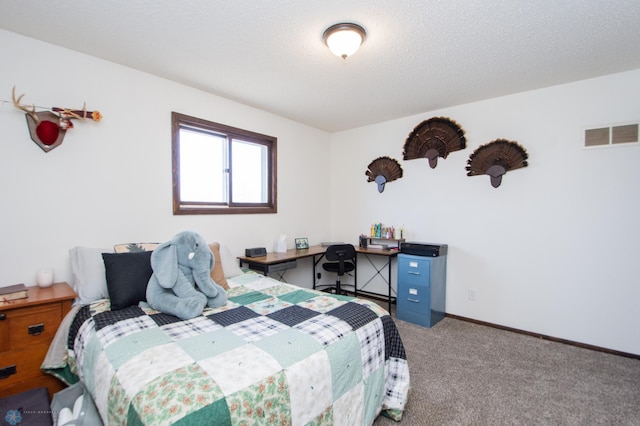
275	354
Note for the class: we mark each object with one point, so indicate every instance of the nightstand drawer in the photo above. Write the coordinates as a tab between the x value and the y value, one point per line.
27	363
33	325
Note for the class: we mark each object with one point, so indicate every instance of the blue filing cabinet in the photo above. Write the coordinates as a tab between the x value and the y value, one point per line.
421	288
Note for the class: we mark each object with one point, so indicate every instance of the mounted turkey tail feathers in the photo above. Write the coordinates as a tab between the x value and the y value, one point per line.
495	159
383	170
433	138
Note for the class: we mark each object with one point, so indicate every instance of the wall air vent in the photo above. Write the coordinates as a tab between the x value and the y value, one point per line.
611	136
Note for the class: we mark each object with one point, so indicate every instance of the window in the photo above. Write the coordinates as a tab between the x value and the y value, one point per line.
219	169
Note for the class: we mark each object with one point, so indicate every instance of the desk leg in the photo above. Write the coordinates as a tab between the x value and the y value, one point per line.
389	269
378	271
315	263
313	277
355	276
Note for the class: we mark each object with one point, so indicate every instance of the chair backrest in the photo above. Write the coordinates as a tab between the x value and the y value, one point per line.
340	253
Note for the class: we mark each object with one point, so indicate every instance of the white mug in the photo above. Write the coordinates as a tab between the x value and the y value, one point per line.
44	277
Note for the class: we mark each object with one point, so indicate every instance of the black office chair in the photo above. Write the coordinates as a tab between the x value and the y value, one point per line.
341	260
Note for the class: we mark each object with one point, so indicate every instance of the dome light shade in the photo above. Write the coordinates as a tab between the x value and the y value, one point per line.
344	39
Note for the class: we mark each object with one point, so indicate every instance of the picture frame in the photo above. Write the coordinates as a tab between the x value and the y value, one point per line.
302	243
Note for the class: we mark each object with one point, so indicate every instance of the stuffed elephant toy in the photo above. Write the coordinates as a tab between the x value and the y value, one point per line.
181	283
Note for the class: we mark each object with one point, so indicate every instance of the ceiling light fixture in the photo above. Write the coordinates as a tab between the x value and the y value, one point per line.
344	39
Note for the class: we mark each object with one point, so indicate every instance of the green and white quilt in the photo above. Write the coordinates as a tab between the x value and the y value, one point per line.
275	354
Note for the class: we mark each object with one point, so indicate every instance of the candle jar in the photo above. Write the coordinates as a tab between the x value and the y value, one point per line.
44	277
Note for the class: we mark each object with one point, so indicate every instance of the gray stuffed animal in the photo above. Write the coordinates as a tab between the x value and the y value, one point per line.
181	283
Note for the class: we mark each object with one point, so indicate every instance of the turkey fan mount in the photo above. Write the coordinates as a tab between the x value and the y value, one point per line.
495	159
383	170
433	138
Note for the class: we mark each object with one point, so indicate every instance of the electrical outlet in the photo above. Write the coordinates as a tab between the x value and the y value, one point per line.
471	294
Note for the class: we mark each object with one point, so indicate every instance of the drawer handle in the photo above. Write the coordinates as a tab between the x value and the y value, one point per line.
36	329
7	371
414	273
3	316
413	300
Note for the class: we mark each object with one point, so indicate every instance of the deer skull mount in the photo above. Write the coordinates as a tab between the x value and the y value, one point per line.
47	128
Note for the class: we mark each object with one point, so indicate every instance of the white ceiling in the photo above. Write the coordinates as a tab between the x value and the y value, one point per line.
419	55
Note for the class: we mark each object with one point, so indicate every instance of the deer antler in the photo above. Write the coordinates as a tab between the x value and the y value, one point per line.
64	113
80	114
16	103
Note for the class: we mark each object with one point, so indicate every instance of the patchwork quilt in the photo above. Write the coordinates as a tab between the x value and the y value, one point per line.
275	354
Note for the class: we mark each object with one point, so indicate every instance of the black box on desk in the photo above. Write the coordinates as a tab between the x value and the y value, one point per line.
255	252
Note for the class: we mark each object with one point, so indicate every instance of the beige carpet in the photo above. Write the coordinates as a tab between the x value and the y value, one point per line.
468	374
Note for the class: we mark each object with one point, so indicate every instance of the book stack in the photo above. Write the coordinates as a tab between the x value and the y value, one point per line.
12	292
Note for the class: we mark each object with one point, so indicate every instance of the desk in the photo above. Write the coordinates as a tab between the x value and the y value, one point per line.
280	262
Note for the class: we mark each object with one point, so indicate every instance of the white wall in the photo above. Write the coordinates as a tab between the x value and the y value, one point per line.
553	250
110	182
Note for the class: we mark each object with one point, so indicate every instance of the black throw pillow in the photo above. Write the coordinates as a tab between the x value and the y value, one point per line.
127	277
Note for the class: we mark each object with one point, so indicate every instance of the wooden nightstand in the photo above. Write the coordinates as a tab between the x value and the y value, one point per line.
27	327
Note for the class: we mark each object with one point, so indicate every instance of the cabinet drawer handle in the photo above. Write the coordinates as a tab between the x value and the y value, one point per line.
5	372
36	329
3	316
413	300
413	273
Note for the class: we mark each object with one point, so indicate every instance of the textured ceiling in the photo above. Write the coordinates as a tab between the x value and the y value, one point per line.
419	55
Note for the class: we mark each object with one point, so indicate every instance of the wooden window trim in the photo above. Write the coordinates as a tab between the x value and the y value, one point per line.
179	120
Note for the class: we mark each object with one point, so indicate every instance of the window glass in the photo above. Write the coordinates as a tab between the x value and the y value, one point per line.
202	165
249	172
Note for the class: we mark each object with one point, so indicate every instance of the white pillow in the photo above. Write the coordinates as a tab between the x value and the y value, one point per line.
88	274
230	264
